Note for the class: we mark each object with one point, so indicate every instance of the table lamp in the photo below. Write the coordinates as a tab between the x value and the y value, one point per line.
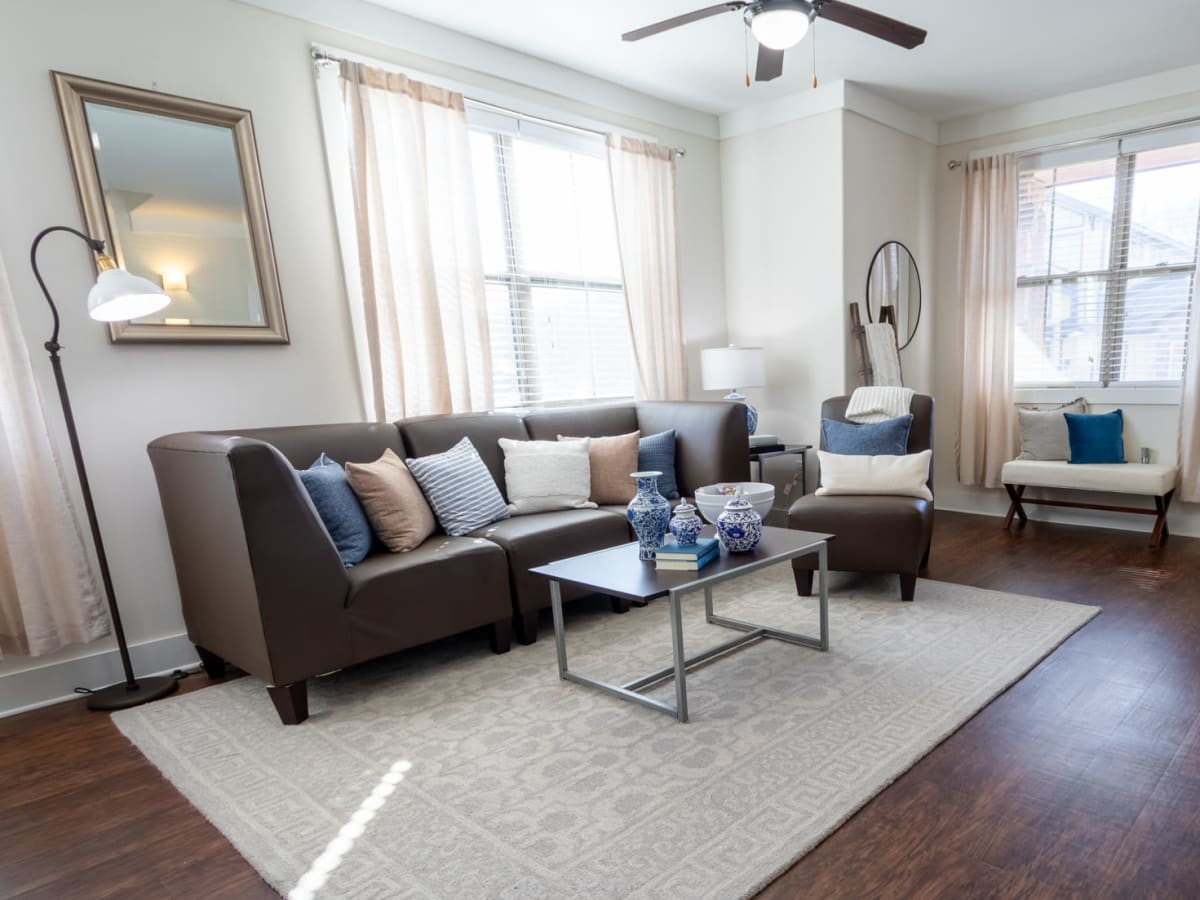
116	296
728	368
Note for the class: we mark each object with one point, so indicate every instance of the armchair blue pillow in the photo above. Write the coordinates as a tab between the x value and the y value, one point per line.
1096	437
339	509
887	438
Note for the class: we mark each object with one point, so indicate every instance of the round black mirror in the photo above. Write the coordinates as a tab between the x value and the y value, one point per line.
893	281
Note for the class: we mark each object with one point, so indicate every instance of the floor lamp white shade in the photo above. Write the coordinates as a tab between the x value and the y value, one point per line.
730	368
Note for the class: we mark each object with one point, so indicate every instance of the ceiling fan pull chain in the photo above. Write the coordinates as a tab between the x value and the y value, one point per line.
814	52
746	48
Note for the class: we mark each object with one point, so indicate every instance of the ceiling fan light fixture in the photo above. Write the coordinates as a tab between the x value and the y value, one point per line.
779	28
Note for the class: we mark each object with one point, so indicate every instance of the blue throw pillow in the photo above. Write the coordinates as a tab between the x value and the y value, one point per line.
338	508
888	438
656	453
1096	437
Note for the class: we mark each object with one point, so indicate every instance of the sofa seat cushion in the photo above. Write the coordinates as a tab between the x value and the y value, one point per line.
445	586
871	533
539	538
1148	479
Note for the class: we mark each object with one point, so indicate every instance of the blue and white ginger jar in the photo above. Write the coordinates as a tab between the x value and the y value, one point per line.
648	513
739	527
686	525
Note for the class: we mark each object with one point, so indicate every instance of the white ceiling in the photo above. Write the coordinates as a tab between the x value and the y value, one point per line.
978	56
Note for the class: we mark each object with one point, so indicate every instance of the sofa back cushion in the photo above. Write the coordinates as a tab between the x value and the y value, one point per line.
349	442
582	421
437	434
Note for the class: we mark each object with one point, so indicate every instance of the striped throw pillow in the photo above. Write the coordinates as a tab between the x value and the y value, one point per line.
459	488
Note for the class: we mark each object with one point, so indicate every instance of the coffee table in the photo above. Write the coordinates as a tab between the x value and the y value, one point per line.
618	572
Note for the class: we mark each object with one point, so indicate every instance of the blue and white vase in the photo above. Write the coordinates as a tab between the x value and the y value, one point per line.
739	527
648	513
686	525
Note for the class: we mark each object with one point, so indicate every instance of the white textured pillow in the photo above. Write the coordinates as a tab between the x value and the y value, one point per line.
903	476
545	475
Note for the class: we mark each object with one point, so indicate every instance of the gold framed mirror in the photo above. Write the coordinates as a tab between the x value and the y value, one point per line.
173	187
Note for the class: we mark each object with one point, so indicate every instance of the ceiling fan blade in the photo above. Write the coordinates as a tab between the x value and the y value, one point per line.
769	65
871	23
667	24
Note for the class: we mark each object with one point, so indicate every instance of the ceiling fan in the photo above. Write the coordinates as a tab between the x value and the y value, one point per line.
779	24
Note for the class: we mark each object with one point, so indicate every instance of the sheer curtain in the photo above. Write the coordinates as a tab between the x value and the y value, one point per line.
49	596
988	286
643	186
424	311
1189	414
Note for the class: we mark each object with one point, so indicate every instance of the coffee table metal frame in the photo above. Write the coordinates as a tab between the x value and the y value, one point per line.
678	670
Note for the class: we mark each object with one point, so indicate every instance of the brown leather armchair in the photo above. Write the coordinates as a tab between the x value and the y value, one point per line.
872	533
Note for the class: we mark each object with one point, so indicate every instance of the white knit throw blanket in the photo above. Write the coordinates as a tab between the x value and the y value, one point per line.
884	355
878	403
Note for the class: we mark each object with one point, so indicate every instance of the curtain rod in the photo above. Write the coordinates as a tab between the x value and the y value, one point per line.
321	58
1080	142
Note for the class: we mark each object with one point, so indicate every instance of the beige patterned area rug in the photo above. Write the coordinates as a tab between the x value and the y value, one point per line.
450	772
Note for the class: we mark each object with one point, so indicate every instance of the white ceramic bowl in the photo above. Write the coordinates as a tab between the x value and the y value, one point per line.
712	498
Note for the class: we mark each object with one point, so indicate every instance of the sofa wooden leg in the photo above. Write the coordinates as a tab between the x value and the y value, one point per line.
804	581
291	701
501	635
619	604
527	627
908	587
214	666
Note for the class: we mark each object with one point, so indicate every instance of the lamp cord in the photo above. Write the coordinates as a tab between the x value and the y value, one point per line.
52	347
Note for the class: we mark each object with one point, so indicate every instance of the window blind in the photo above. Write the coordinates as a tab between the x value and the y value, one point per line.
1106	262
556	306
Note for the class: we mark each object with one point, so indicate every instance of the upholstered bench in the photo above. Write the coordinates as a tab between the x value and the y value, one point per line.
1145	479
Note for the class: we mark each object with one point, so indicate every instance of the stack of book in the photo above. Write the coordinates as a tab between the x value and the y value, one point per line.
673	557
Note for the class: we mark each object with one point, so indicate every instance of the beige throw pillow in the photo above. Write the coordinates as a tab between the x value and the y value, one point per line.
393	502
612	459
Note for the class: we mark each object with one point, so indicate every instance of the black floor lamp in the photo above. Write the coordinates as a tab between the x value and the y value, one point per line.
116	297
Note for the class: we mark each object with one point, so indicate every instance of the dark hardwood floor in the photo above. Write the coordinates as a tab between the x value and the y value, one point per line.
1082	780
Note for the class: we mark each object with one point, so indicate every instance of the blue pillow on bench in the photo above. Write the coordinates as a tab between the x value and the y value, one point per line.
887	438
1096	437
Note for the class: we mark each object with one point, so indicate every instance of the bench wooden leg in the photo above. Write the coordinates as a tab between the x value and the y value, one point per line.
1015	492
1161	531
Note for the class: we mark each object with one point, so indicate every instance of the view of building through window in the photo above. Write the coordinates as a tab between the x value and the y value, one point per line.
1106	265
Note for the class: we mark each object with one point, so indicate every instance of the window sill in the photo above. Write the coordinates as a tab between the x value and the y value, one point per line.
1097	396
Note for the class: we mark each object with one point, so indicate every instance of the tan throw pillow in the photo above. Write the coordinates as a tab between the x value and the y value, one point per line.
612	459
393	502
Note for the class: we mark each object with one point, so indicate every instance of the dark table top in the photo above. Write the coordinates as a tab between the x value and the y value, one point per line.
618	572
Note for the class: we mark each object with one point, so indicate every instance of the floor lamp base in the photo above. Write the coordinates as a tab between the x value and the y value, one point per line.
121	696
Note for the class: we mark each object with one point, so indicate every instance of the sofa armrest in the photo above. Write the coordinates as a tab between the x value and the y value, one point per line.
260	580
711	440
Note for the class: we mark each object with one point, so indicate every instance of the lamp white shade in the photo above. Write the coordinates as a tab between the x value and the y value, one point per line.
780	29
725	368
118	296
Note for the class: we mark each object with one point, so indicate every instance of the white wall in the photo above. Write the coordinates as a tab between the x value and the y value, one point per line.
1155	426
806	205
124	396
782	190
889	183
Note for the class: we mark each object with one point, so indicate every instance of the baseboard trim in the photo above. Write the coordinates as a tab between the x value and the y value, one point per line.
56	682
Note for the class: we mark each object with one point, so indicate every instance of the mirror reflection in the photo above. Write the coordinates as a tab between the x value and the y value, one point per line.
176	206
893	280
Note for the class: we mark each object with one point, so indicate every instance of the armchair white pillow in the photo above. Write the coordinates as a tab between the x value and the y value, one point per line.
546	475
903	476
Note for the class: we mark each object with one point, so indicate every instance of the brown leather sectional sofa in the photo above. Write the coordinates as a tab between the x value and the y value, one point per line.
261	583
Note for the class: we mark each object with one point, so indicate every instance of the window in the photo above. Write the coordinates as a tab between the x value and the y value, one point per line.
556	304
1106	262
